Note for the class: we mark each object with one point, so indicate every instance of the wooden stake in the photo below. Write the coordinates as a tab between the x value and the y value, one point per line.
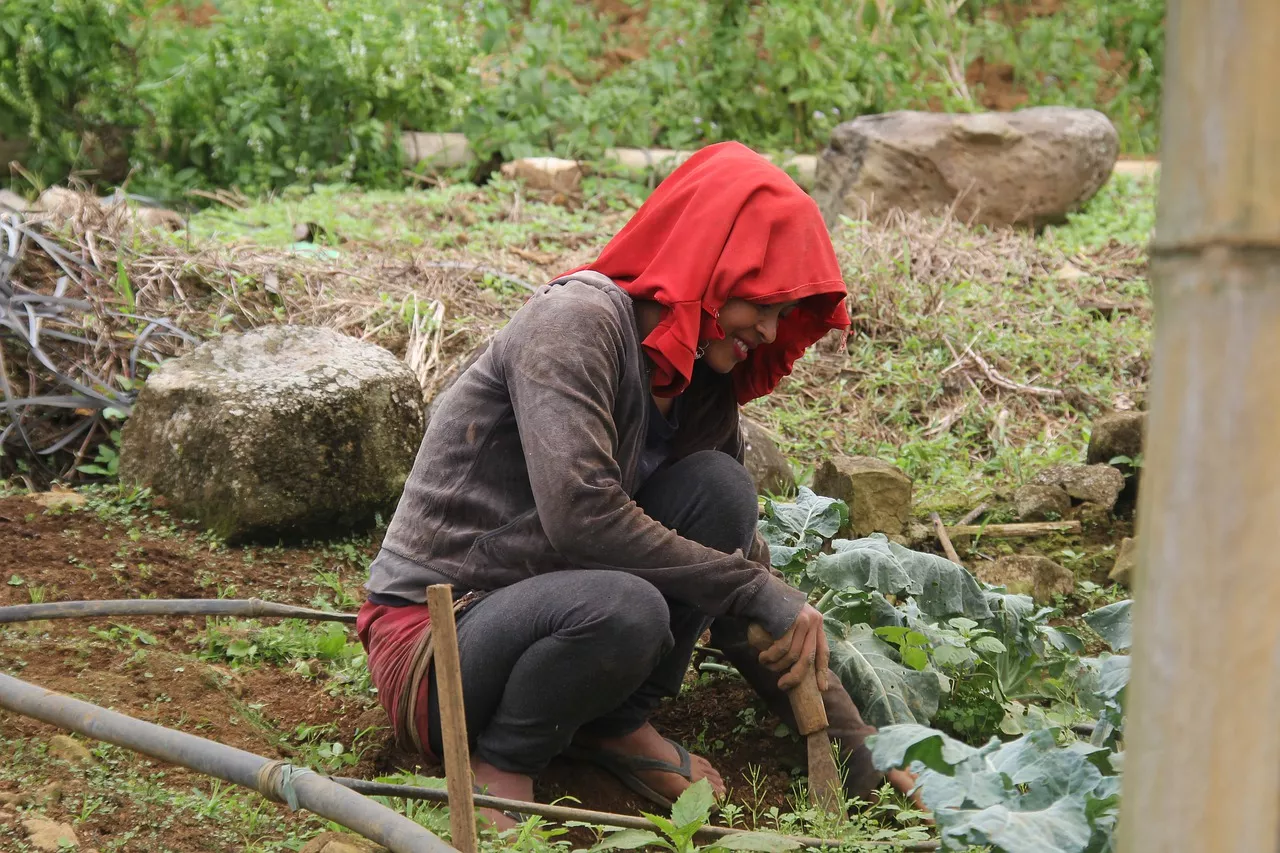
453	719
945	539
1201	763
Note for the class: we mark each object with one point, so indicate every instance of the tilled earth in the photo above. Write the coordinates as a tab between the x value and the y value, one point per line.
175	672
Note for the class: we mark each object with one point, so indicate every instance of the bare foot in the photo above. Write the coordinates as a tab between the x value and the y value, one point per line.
500	783
904	781
647	742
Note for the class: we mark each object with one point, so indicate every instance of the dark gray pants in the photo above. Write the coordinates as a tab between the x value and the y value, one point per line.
593	651
596	651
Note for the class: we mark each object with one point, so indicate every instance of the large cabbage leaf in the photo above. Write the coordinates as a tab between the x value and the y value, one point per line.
1025	796
940	588
1114	623
885	691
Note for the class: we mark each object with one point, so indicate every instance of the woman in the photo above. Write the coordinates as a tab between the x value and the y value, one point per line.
581	488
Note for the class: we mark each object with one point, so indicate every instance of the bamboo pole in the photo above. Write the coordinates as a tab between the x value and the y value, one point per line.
453	719
1203	747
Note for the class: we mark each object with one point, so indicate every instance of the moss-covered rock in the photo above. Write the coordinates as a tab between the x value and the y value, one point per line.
280	432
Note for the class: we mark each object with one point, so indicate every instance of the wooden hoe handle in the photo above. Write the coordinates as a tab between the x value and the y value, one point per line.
806	698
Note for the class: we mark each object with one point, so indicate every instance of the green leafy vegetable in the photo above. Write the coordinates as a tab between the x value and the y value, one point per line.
1114	623
1025	796
796	530
939	586
885	691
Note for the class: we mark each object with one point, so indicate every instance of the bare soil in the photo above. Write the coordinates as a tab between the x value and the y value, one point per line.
75	554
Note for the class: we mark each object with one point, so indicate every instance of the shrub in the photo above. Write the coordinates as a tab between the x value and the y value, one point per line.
286	91
69	70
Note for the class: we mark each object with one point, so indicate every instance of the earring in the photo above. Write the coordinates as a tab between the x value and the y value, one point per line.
700	352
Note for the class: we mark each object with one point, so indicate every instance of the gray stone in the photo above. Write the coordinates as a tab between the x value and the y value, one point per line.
1126	563
1028	167
1119	434
69	749
769	469
878	494
1034	502
1095	484
1033	575
280	432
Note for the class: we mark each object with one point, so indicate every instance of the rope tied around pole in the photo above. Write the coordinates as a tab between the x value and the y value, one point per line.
275	781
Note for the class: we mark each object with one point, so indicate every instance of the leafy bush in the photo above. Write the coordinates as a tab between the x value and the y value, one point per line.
916	637
69	71
907	629
288	91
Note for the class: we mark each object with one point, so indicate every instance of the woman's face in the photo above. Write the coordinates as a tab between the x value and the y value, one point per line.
746	326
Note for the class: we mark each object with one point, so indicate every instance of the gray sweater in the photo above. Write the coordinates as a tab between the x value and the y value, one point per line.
529	462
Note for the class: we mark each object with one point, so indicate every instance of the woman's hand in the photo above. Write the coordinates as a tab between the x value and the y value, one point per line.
803	646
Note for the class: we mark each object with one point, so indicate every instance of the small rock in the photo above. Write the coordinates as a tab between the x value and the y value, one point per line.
340	842
1126	563
917	536
159	218
58	498
769	469
1070	272
50	836
1034	502
878	494
50	794
69	749
63	203
1118	434
13	201
438	150
546	173
1033	575
1096	484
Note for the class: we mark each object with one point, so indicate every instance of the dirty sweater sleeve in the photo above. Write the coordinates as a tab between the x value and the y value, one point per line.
562	371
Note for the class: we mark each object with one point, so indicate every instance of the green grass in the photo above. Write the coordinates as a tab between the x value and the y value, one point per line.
921	292
498	216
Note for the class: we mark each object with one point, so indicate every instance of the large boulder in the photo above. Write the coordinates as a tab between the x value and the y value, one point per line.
878	494
284	431
769	469
1029	167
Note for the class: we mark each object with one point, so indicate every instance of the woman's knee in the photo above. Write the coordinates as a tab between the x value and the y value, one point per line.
626	611
727	498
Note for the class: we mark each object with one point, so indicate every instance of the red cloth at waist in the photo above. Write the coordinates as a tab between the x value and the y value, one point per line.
389	636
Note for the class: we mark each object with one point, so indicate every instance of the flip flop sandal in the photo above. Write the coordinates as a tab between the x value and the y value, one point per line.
624	767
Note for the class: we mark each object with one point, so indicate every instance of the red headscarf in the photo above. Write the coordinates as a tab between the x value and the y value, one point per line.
727	223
